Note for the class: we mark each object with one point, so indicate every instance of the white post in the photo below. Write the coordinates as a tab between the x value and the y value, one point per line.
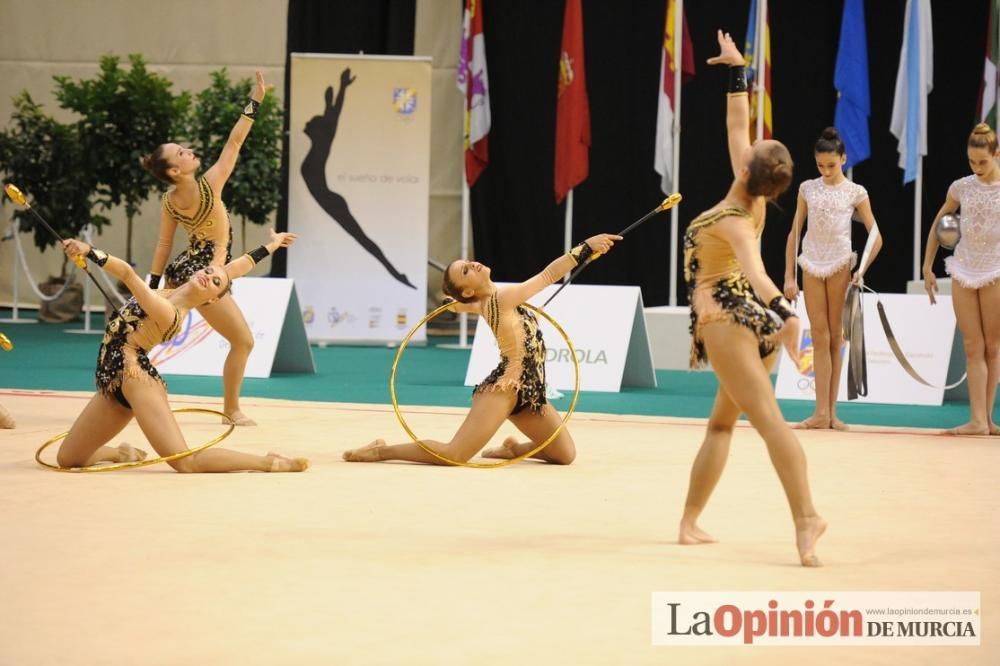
917	214
759	65
568	223
675	159
463	318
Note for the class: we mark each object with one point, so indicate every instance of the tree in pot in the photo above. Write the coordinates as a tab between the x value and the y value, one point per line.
45	158
123	116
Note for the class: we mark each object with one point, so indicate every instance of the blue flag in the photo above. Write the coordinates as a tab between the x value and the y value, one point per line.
850	78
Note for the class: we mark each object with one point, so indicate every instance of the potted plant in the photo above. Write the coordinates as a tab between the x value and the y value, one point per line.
45	159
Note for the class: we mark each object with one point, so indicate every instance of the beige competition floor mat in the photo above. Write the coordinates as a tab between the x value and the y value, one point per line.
407	564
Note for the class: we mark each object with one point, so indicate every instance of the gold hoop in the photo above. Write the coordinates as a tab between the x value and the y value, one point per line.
503	463
139	463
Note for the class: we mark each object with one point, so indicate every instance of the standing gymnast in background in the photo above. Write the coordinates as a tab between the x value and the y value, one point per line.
730	325
975	273
830	202
196	204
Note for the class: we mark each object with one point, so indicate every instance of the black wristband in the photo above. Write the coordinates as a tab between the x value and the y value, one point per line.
737	79
99	257
250	110
259	254
781	307
581	253
154	281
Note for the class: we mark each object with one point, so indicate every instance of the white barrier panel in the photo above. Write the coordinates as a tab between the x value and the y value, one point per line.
608	330
925	333
358	194
271	309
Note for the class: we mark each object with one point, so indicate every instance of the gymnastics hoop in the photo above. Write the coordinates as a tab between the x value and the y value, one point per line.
139	463
503	463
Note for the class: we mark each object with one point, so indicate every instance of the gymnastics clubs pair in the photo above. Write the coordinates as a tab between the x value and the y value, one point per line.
18	197
667	203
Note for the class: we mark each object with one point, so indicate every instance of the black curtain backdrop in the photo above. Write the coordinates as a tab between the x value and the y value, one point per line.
376	27
518	228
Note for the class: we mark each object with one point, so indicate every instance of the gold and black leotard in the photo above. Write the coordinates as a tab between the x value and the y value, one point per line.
129	335
206	229
522	356
717	288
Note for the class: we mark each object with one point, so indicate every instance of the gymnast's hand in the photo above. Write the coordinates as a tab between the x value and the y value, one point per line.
284	239
788	336
260	90
74	248
930	284
602	243
728	53
791	290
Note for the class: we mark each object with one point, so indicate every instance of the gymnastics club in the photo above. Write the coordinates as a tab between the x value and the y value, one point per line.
18	197
669	202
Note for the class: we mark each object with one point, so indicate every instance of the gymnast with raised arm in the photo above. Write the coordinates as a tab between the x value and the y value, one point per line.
515	389
129	386
731	328
195	203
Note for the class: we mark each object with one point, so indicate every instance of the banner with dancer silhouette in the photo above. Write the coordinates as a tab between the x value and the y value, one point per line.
358	193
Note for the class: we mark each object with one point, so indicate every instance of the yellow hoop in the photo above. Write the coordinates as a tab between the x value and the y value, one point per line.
503	463
139	463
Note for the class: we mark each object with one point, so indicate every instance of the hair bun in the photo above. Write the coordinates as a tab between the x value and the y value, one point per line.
830	134
982	128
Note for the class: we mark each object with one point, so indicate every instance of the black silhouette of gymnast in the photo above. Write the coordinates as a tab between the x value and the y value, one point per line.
321	131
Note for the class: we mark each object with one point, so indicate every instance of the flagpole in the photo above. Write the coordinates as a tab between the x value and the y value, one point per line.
760	85
675	158
463	318
917	215
568	223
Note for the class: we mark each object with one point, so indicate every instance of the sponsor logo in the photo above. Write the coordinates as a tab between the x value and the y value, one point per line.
404	100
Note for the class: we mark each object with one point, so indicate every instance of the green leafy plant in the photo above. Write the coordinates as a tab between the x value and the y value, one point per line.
123	116
254	189
45	159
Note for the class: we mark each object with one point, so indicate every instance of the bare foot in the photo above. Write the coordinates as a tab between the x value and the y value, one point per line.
994	429
368	453
837	424
240	419
807	533
814	422
6	420
129	454
691	535
969	428
280	463
504	451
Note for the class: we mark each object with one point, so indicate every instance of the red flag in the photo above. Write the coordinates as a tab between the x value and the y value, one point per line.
473	82
573	109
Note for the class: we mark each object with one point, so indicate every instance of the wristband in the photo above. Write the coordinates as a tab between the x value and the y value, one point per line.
154	281
250	110
258	255
581	253
737	79
781	307
99	257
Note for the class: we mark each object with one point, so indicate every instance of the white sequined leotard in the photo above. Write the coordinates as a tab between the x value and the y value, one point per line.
826	247
976	262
